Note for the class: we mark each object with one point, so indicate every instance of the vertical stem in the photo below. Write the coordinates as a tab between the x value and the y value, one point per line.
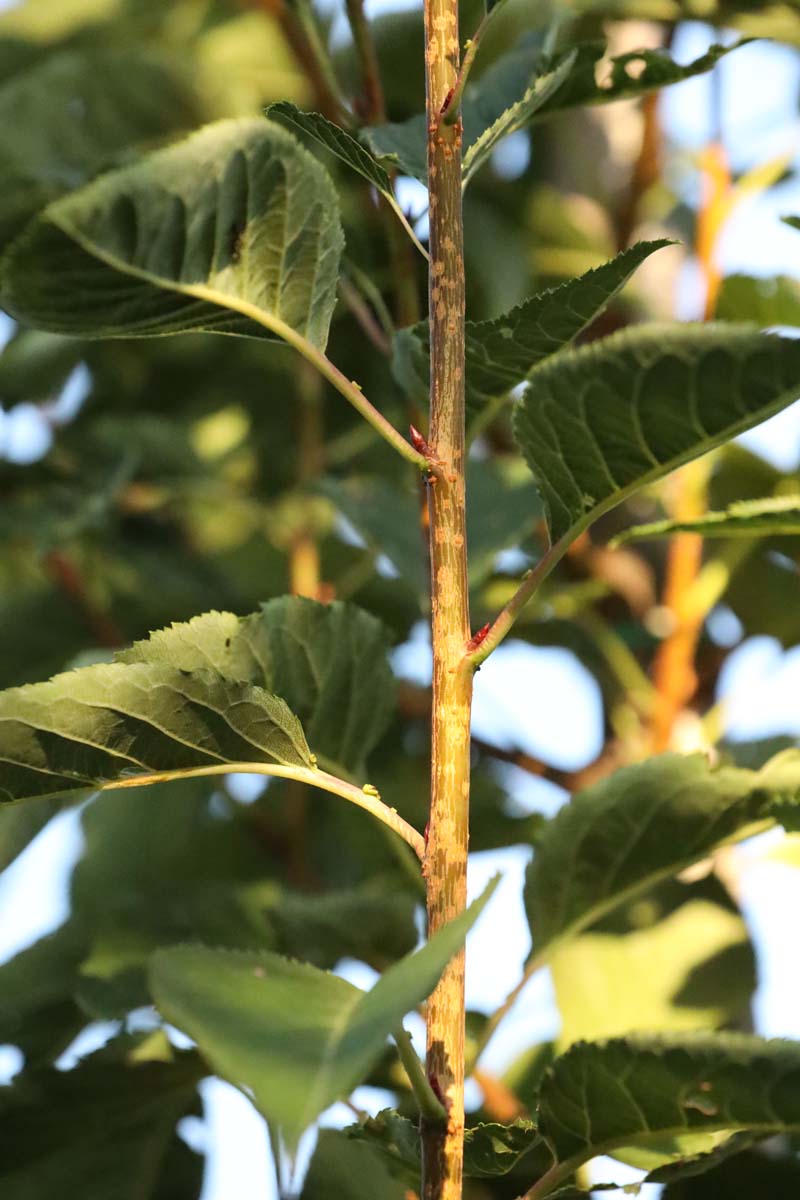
446	855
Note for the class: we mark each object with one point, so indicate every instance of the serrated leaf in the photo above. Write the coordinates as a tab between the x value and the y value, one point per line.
643	824
109	1128
765	301
631	74
599	422
65	119
744	519
526	85
346	148
295	1037
234	230
328	661
490	1148
749	1174
116	721
483	134
500	353
643	1090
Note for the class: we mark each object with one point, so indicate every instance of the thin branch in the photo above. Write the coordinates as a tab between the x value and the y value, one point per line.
430	1106
375	105
347	387
366	797
503	623
72	583
363	314
310	56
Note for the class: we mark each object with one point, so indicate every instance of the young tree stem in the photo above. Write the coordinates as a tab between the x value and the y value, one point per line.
446	855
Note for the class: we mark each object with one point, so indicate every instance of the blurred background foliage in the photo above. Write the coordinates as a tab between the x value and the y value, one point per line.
142	482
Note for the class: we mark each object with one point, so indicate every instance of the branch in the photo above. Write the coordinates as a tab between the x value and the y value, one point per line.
366	797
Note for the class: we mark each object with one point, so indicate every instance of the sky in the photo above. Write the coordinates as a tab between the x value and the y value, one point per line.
561	716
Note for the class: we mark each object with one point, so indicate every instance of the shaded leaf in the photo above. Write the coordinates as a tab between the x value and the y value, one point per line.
294	1036
234	230
65	119
643	824
597	423
108	1128
343	1169
748	1175
745	518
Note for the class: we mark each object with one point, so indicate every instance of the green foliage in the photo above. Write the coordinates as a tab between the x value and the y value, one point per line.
235	230
643	824
320	1035
743	519
191	475
597	423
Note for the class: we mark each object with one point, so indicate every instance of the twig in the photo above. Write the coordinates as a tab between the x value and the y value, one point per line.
430	1107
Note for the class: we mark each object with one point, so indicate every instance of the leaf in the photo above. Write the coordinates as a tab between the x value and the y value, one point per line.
599	422
329	662
692	969
20	824
642	1090
643	824
65	119
632	74
793	222
116	721
108	1128
500	353
293	1036
765	301
743	519
343	1169
483	133
490	1148
524	85
346	148
748	1175
388	518
234	230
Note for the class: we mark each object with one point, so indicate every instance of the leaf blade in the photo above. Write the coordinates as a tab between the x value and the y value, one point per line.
235	230
599	422
322	1033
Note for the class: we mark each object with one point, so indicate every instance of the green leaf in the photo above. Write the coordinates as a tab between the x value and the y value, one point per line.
643	824
500	353
793	222
765	301
388	517
482	133
749	1174
328	661
632	74
490	1148
117	721
599	1097
234	230
343	1169
744	519
526	85
294	1037
691	969
20	824
599	422
74	114
346	148
105	1130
